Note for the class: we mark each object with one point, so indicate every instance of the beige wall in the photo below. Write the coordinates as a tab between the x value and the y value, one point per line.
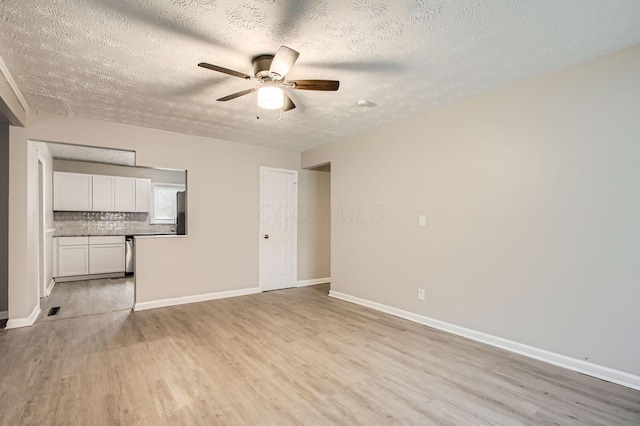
23	285
221	251
4	217
533	212
314	225
156	175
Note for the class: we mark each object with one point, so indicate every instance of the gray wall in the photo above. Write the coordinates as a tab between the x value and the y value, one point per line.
4	216
533	212
314	225
156	175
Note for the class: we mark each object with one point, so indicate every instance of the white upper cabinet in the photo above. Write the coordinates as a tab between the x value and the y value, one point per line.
143	195
103	193
98	193
72	192
125	194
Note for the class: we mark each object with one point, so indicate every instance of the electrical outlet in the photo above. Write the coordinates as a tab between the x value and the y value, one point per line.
421	294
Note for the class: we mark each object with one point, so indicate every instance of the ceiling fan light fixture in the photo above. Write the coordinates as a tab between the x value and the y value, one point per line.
270	97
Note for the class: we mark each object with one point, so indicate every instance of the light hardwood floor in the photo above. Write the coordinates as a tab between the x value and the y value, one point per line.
285	357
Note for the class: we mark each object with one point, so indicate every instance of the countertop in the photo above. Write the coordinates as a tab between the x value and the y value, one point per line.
160	236
153	234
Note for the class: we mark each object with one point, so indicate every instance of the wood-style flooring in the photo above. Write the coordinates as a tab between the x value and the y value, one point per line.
80	298
284	357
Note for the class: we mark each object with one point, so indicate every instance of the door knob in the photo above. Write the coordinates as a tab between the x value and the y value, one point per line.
266	236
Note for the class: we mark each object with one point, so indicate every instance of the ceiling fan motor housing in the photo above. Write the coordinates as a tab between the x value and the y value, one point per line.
261	65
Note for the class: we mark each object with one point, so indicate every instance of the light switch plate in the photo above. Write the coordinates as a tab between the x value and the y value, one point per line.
422	220
420	294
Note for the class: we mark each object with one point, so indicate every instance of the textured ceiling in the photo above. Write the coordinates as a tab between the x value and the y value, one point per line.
96	155
134	62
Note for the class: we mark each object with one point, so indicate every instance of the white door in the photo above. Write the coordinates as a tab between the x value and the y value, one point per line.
125	194
278	224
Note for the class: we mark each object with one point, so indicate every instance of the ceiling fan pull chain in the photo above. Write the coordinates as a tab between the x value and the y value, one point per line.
258	116
280	119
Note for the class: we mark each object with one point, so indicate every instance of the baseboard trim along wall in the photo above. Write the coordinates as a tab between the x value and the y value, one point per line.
315	281
52	283
4	315
24	322
590	369
142	306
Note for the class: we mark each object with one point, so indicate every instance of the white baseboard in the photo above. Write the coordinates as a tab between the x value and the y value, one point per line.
315	281
24	322
90	277
142	306
52	283
584	367
4	315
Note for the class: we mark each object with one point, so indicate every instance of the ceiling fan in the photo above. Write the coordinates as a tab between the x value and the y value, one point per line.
269	73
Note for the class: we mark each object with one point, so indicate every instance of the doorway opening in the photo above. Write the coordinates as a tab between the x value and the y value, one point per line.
96	201
314	228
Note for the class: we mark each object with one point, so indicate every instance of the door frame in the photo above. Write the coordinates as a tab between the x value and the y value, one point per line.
264	169
41	204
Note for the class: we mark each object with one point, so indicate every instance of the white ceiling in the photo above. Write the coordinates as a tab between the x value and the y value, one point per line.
97	155
135	62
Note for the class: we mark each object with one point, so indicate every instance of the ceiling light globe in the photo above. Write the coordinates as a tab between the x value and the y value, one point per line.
270	97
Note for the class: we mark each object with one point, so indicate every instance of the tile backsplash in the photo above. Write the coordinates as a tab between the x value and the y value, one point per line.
105	223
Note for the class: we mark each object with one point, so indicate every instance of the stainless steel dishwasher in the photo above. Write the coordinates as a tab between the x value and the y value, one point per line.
129	261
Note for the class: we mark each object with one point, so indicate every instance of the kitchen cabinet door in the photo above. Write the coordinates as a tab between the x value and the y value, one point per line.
106	258
125	194
143	195
72	192
73	260
103	193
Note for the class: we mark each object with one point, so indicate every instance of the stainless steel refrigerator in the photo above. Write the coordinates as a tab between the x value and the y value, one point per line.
181	220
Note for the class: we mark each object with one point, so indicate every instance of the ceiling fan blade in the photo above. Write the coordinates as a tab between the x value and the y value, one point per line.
324	85
224	70
237	95
288	104
283	61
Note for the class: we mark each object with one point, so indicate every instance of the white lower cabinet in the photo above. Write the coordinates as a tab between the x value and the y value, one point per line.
106	258
78	256
73	260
